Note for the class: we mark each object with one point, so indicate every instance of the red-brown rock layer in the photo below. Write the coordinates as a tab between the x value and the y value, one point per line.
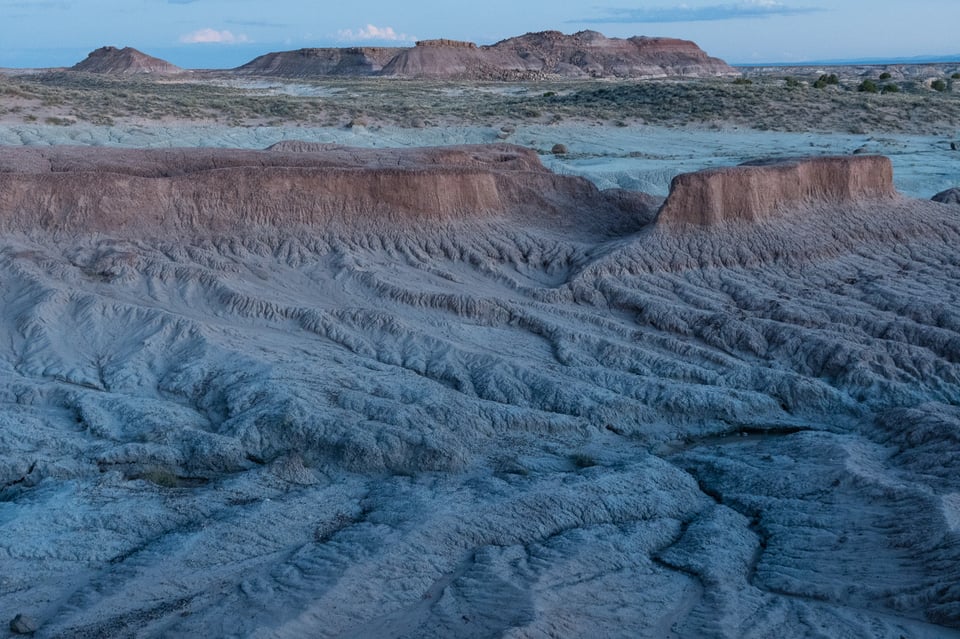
530	56
758	191
126	61
75	189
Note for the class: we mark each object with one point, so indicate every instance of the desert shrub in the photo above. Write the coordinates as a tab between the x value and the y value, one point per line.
743	81
824	80
549	94
938	85
890	88
885	76
791	82
955	76
867	86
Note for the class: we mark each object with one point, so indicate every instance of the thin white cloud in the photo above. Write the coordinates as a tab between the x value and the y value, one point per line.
373	32
686	13
212	35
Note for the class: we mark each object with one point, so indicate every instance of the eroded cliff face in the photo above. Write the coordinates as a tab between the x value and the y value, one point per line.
325	187
530	56
758	191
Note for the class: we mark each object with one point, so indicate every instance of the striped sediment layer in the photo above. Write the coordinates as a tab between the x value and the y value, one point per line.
78	189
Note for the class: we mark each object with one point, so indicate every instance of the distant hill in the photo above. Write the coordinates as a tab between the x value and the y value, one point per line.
352	61
587	54
126	61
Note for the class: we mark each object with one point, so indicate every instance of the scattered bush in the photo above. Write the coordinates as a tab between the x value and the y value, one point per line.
792	82
938	85
549	94
890	88
743	81
955	76
885	76
824	80
867	86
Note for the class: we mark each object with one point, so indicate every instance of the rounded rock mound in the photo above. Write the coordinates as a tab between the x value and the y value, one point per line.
950	196
126	61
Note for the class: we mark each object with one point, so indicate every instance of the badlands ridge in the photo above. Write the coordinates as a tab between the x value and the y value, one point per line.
78	189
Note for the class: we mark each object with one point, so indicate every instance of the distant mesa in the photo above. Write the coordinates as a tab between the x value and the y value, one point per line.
547	54
352	61
126	61
759	190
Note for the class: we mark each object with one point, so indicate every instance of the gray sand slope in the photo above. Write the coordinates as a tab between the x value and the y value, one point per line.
581	424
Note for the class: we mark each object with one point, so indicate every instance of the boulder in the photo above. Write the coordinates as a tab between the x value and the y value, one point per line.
23	625
530	56
950	196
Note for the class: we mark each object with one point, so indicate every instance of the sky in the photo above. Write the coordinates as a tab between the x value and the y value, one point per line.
227	33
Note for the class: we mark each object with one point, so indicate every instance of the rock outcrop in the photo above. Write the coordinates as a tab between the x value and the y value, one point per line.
759	190
126	61
950	196
531	56
171	191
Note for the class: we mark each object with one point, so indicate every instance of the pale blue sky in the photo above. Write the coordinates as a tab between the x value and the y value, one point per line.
224	33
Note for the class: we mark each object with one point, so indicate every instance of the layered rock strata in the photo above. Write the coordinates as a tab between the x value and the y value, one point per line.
351	61
759	190
219	190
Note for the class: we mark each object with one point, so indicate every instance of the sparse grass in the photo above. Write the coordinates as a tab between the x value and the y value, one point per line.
775	103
